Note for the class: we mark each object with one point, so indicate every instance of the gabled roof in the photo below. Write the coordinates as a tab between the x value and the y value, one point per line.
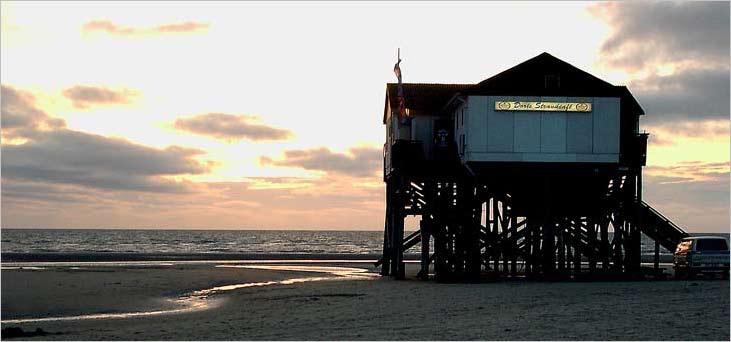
427	97
525	79
529	79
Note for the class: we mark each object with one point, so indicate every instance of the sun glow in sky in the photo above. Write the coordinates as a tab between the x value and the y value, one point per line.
268	115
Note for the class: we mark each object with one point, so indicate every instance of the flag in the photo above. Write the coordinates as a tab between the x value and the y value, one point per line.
397	70
400	91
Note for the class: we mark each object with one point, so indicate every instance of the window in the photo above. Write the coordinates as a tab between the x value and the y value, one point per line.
711	245
461	144
389	137
552	81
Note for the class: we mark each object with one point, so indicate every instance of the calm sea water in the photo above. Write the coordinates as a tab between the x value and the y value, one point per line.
190	241
202	241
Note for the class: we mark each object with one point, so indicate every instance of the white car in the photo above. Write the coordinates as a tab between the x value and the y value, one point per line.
701	254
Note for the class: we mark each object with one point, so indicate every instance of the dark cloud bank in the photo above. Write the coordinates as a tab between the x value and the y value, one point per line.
53	154
688	95
694	36
647	32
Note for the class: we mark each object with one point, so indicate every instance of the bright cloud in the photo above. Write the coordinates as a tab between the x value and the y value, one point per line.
109	27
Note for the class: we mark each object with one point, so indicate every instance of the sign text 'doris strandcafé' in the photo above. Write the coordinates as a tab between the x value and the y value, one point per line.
544	106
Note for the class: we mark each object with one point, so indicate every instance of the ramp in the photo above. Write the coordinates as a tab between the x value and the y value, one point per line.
660	228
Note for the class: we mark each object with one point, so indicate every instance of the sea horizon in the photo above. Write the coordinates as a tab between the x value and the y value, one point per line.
203	229
75	245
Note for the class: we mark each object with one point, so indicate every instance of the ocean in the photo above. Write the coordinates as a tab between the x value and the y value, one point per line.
107	243
97	244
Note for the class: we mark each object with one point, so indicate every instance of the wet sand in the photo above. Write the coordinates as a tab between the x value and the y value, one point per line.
355	308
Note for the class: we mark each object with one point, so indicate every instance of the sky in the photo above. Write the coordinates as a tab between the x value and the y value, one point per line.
246	115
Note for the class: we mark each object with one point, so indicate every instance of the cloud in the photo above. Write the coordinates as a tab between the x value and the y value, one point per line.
334	204
693	194
689	171
696	206
678	53
83	96
61	178
20	117
188	26
231	127
57	155
691	94
649	32
359	162
71	157
688	39
111	28
30	193
662	132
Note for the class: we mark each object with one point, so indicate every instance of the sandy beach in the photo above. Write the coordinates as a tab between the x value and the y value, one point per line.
347	305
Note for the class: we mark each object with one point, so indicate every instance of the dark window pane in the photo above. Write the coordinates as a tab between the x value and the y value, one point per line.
711	245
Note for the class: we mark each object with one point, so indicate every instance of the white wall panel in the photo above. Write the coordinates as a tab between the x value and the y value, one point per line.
500	128
541	136
579	129
477	121
606	125
553	128
527	135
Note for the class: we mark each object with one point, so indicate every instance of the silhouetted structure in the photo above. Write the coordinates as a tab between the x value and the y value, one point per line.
526	172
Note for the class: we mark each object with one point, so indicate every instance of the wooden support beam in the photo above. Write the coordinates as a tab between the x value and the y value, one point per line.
591	243
560	247
528	246
536	265
397	233
386	258
425	232
548	264
577	243
505	245
495	232
657	257
604	244
514	245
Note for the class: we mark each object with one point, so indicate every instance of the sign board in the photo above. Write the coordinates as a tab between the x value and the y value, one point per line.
544	106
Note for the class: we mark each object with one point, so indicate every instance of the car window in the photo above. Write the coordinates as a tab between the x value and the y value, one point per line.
711	245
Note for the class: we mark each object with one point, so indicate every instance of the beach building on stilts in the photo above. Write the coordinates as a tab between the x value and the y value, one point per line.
536	171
